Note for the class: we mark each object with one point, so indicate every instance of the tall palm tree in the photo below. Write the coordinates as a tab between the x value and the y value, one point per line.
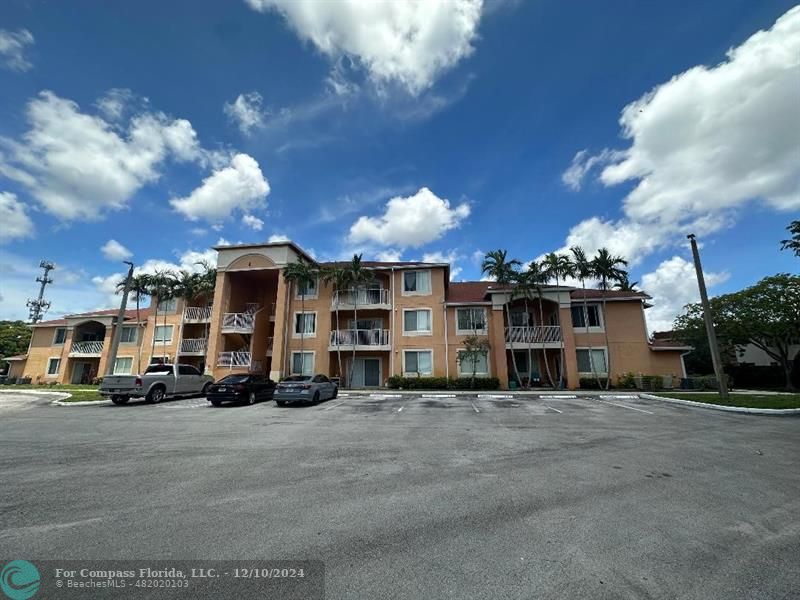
158	287
584	270
358	276
338	277
558	267
206	284
537	276
184	286
301	274
524	288
497	265
625	285
139	287
608	268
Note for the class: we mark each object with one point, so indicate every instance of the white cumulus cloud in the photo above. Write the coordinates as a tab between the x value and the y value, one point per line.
16	224
409	43
410	221
239	186
113	250
12	49
253	222
246	112
673	285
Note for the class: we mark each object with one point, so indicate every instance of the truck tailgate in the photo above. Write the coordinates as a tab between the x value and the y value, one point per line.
119	383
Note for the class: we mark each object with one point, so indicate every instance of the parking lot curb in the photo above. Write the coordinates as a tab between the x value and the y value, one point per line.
62	402
776	412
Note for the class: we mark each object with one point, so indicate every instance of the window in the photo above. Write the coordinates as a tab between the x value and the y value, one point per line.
585	360
168	306
163	333
53	365
159	368
417	322
187	370
305	323
302	363
60	336
579	316
416	282
129	335
470	320
478	362
366	324
309	289
123	365
320	379
418	362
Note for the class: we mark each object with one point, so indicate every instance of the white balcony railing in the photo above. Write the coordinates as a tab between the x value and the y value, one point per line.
363	298
193	346
234	359
87	348
359	337
197	314
533	335
238	322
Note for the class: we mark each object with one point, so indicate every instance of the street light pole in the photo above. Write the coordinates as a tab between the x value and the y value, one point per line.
712	336
112	352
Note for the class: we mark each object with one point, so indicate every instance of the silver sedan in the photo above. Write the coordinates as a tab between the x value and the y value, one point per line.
306	389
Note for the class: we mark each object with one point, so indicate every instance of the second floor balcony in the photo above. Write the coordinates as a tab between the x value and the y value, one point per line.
377	298
86	349
197	314
196	346
538	336
362	339
239	360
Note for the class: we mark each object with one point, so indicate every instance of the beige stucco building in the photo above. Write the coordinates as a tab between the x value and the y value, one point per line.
409	320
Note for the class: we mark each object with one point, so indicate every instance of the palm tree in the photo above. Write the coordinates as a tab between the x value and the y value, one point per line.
558	266
139	287
205	286
158	286
497	266
624	285
608	268
358	276
302	274
184	286
537	275
584	270
523	288
339	278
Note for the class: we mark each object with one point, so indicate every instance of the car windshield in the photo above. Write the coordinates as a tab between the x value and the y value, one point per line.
297	378
234	379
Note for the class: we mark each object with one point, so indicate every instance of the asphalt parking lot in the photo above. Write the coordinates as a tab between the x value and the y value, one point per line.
419	497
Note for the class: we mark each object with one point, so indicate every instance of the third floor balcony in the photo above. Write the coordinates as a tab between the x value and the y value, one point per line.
377	298
362	339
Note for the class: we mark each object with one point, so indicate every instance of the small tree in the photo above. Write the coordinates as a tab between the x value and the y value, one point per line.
792	243
475	348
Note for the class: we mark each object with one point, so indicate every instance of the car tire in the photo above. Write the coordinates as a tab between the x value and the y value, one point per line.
335	393
216	403
155	395
315	399
280	402
120	400
252	398
205	389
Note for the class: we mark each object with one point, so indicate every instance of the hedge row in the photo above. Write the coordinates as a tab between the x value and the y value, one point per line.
443	383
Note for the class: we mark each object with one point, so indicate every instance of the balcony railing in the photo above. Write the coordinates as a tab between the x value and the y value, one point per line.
234	359
197	314
87	348
238	322
533	335
193	346
359	337
363	298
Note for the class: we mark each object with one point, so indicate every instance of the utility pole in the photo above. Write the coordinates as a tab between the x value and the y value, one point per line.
112	352
712	337
39	306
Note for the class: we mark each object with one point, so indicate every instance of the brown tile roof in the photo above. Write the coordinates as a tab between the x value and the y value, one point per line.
468	291
657	344
590	294
130	314
373	264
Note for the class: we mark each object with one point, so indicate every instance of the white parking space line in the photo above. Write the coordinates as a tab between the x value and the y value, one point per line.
623	406
384	396
628	397
400	409
494	396
555	409
558	397
475	408
334	405
438	395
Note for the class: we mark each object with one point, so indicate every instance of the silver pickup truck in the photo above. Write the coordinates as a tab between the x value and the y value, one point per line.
157	383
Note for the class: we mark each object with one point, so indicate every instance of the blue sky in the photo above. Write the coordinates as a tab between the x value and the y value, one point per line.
430	131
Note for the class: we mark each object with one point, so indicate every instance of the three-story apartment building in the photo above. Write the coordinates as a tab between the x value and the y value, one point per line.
410	319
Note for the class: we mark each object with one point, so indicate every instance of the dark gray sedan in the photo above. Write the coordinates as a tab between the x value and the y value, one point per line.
305	389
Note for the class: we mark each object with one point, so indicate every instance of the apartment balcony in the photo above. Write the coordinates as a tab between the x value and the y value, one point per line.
86	349
197	314
548	336
193	346
362	339
366	299
239	360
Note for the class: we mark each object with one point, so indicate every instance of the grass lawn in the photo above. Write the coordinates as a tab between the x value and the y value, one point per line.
80	393
744	400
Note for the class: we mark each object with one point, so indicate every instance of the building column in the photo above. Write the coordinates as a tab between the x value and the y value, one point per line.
570	358
497	341
101	366
219	306
279	337
66	363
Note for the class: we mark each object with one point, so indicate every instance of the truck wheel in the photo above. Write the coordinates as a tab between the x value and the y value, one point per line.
251	399
120	400
155	395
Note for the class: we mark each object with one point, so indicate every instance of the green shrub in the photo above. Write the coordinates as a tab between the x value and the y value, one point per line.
442	383
626	381
591	383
